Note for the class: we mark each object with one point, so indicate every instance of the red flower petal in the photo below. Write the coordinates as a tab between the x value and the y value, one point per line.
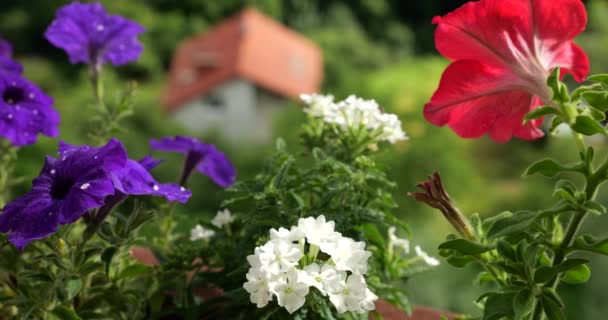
572	59
475	98
558	21
499	32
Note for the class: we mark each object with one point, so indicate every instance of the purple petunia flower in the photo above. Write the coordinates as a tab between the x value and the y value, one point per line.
81	179
135	178
25	111
89	34
204	157
67	187
7	64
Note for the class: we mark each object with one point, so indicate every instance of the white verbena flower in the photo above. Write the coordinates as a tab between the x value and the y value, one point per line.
355	112
427	259
350	294
278	256
294	235
222	218
319	232
349	255
398	242
258	287
324	278
319	105
276	268
291	293
199	232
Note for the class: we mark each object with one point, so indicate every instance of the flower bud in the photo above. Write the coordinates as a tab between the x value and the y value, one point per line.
435	196
61	247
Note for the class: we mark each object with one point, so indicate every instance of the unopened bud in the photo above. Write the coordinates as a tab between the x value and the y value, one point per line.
435	196
61	247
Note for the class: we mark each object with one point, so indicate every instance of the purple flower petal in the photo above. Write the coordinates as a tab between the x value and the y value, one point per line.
25	111
6	50
67	187
89	34
216	166
206	158
134	179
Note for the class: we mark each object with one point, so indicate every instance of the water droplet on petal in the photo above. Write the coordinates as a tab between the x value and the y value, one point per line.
182	189
53	171
85	186
31	95
155	187
100	27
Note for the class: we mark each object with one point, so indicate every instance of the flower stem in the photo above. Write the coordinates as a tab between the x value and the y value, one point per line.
97	84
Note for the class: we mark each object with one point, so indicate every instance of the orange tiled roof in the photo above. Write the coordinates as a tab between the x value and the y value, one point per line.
248	45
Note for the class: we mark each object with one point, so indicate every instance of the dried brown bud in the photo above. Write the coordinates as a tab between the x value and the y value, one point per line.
435	196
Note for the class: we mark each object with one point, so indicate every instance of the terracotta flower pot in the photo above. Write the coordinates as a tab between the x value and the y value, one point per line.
388	312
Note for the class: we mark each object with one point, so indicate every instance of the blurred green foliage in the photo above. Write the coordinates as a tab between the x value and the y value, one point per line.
375	49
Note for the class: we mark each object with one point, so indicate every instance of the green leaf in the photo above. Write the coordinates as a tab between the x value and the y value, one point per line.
577	275
459	261
523	304
65	313
577	93
505	249
541	112
587	126
603	78
596	114
499	306
597	99
595	207
133	271
545	274
515	223
560	91
591	244
465	246
373	235
73	287
548	167
552	309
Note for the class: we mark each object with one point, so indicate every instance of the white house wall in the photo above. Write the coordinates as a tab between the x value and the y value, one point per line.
245	114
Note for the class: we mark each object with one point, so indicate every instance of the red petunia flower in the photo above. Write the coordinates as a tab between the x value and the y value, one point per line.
502	53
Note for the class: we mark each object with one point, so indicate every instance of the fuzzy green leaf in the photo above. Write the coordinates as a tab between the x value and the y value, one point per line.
515	223
552	309
523	304
591	244
577	275
548	168
541	112
587	125
73	287
465	246
597	99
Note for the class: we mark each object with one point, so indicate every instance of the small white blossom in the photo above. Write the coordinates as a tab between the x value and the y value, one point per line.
199	232
324	278
258	287
276	268
222	218
294	235
319	232
357	113
349	255
398	242
427	259
350	295
319	105
279	256
291	293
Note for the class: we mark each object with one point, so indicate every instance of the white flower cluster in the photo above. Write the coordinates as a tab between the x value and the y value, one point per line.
355	112
276	268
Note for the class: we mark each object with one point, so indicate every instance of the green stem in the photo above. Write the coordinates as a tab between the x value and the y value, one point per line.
593	180
97	84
